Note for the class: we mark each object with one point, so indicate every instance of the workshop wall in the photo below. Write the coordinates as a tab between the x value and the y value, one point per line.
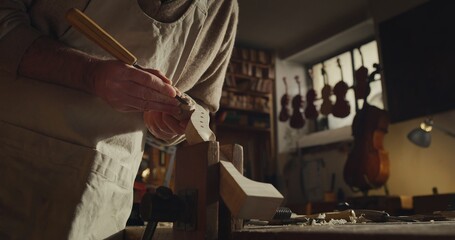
413	171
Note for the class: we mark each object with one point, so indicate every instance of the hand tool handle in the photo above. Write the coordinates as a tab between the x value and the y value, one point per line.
94	32
149	230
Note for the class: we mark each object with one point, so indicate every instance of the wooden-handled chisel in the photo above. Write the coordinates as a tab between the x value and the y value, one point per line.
94	32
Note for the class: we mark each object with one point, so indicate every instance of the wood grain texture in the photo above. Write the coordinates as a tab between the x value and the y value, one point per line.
198	128
197	168
227	223
245	198
376	231
233	153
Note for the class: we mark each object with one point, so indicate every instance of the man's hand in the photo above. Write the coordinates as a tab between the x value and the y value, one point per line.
166	126
129	89
122	86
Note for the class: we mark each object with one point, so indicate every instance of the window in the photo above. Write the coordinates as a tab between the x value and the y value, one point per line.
346	59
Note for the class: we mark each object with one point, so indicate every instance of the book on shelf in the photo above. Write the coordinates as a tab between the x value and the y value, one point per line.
247	69
263	57
244	53
252	55
262	85
234	118
245	102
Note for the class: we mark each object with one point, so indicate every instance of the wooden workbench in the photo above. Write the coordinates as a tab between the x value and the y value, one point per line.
356	231
205	158
440	230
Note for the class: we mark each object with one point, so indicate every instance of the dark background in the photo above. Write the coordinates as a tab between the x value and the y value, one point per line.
418	56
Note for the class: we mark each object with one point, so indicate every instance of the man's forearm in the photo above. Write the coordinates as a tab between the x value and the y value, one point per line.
51	61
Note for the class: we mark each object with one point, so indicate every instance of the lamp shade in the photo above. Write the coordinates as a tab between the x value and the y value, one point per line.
420	137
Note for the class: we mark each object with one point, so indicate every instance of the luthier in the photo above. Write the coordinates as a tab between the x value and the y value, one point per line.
196	197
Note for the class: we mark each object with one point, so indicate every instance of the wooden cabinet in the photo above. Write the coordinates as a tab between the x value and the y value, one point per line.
247	113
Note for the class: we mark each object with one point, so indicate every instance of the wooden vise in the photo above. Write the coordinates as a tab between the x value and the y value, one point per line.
224	195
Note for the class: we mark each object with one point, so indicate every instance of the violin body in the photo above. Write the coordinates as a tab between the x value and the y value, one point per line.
284	113
310	110
367	166
326	106
341	107
297	120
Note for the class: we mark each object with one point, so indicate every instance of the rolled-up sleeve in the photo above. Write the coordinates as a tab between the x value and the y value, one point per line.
16	34
207	92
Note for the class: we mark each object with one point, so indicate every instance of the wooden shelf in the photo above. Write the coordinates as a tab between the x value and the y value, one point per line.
246	114
243	109
248	92
242	128
326	137
257	64
244	82
243	76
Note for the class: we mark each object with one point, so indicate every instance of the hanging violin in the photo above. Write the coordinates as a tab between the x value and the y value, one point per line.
341	107
361	87
310	110
326	106
297	120
367	166
284	113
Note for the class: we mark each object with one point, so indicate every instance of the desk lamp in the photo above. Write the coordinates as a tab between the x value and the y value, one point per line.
421	136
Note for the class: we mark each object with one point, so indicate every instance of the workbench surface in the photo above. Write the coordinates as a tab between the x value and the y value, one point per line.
437	230
352	231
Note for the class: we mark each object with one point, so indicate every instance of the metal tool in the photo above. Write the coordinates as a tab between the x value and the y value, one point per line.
283	216
381	216
94	32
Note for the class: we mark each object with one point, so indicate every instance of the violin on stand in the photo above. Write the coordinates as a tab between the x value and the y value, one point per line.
284	113
297	120
341	108
326	106
310	110
367	166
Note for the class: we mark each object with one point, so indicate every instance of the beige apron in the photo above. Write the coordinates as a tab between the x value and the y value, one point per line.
68	160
